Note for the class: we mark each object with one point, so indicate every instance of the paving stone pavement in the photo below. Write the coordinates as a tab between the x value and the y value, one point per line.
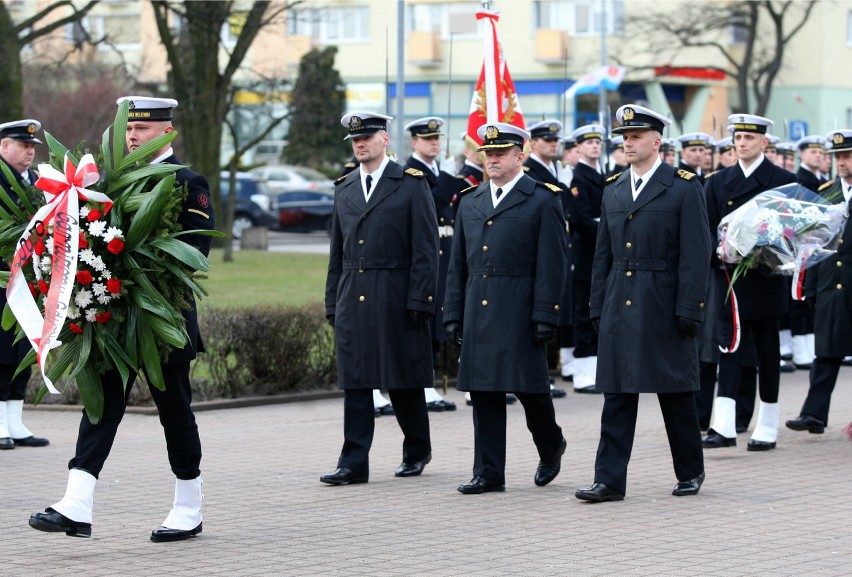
784	512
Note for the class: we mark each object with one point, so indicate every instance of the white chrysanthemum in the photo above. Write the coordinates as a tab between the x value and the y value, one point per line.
794	205
90	315
774	232
73	312
97	228
48	244
83	298
104	299
84	212
46	264
113	232
105	275
86	255
98	264
99	289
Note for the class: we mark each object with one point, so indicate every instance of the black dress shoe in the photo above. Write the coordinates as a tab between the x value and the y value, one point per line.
806	423
714	440
6	443
741	428
598	493
444	403
52	521
557	393
691	487
568	378
386	410
406	470
787	367
590	390
760	445
479	485
163	534
547	471
511	399
343	476
31	442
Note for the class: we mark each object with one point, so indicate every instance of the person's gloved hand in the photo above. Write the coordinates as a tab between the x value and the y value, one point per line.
418	317
564	174
687	328
448	165
454	332
543	333
596	324
330	319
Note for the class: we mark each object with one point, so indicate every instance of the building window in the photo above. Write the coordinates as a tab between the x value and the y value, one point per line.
738	28
331	25
456	18
113	32
580	17
849	28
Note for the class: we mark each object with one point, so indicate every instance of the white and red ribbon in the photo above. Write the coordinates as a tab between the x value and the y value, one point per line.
797	288
62	193
735	319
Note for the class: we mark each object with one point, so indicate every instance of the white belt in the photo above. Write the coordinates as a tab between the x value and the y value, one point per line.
445	231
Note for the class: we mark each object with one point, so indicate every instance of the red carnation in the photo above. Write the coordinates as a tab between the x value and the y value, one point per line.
43	286
75	328
115	246
93	215
84	277
39	228
102	317
32	289
114	286
83	242
39	248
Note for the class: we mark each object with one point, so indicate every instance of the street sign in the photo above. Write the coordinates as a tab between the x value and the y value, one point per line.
798	129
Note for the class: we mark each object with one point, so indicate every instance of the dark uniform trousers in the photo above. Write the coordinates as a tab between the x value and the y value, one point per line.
585	337
17	387
182	442
618	427
359	423
764	335
489	430
824	371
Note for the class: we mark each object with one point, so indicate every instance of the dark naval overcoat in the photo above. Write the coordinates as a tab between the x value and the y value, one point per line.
383	263
507	272
651	266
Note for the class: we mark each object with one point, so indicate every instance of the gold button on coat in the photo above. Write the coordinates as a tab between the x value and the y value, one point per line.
556	307
629	245
730	202
628	303
489	223
839	286
629	273
361	298
485	303
485	248
429	299
839	263
361	241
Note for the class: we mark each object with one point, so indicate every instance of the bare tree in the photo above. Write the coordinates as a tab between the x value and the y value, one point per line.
14	36
751	37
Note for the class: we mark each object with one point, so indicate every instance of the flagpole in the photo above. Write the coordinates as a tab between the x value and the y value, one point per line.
400	78
449	98
602	107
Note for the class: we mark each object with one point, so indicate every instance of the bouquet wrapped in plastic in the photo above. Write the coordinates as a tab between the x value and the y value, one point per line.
99	278
783	230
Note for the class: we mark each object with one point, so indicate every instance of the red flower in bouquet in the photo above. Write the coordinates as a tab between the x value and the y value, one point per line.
75	328
43	287
39	247
93	215
115	246
32	289
102	317
83	242
84	277
113	285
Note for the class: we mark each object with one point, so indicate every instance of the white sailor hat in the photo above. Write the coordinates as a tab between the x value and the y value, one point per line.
725	144
569	143
21	130
749	123
786	148
839	140
773	141
362	123
589	132
635	117
427	126
668	144
694	139
501	135
811	141
616	141
148	108
547	129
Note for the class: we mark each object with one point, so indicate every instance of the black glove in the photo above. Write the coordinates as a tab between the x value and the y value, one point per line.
454	332
543	333
596	324
418	317
330	319
688	329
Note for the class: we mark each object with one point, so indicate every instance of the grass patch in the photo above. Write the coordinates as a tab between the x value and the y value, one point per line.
261	278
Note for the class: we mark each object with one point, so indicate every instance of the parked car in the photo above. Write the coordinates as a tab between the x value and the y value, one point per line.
282	178
304	210
252	206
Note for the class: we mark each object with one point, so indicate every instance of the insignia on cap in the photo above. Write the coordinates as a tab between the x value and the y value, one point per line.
553	127
627	114
31	129
132	105
433	124
355	123
491	132
742	118
837	138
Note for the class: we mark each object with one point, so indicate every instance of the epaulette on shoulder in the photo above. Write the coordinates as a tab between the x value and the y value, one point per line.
614	176
553	188
685	174
526	168
468	189
709	174
350	165
341	179
826	185
414	172
460	176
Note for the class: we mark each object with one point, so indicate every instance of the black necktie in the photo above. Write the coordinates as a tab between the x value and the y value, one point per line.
369	183
499	192
638	183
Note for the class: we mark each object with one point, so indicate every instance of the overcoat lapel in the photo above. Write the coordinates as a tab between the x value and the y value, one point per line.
660	181
387	185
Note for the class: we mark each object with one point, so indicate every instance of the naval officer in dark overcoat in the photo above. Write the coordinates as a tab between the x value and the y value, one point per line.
649	280
504	288
379	296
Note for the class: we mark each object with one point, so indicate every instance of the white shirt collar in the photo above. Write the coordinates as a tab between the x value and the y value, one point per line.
847	190
748	171
377	174
433	166
548	165
645	177
506	188
163	156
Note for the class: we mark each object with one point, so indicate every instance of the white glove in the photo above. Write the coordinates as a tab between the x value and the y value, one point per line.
448	165
564	174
